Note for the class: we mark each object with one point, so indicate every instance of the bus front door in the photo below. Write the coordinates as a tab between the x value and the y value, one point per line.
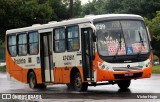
87	53
46	57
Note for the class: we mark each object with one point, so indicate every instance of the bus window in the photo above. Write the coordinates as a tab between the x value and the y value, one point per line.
59	40
72	38
22	44
12	45
33	43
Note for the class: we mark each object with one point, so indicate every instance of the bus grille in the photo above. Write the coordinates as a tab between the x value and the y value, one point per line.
127	69
122	76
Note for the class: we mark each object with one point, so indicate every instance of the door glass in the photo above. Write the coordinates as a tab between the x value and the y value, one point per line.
45	44
86	44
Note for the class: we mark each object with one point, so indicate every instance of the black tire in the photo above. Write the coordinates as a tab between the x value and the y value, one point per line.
123	84
77	83
41	86
70	86
32	80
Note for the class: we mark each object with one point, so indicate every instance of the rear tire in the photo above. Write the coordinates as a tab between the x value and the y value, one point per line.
77	83
32	80
123	84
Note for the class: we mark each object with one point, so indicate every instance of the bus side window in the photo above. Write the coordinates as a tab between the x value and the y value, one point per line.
59	40
35	51
12	45
22	44
33	43
72	38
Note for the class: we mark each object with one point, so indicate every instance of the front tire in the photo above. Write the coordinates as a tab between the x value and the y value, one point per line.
69	86
123	84
32	80
77	83
41	86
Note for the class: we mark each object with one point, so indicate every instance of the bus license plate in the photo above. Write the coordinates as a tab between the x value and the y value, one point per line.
128	74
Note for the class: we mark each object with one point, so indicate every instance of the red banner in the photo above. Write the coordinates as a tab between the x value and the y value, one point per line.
112	49
138	47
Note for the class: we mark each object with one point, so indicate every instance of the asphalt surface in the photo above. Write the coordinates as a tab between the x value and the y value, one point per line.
147	90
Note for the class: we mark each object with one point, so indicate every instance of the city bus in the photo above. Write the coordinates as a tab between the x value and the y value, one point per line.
89	51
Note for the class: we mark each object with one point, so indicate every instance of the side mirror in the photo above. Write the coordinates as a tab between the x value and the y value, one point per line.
149	34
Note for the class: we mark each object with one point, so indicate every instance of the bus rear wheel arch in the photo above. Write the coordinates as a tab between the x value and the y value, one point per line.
32	80
78	85
76	81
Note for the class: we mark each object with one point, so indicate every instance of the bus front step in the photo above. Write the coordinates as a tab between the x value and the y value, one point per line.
97	84
48	83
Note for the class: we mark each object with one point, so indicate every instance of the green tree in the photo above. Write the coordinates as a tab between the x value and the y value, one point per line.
60	9
154	26
8	15
146	8
21	13
33	11
94	7
77	8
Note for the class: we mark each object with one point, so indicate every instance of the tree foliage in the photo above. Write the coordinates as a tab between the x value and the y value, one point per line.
154	25
21	13
94	7
146	8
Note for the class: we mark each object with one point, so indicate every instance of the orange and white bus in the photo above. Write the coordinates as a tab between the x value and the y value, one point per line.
94	50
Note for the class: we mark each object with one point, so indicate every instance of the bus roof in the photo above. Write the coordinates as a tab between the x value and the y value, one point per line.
88	18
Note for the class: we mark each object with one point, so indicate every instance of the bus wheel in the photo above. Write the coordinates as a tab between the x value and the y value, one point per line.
77	83
69	86
41	86
32	80
124	84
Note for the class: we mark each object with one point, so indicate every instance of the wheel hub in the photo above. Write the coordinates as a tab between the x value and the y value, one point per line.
78	82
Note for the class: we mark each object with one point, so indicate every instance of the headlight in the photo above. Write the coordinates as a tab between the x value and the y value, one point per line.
103	65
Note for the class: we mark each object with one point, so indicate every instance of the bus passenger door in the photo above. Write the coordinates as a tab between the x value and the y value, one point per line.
87	53
46	57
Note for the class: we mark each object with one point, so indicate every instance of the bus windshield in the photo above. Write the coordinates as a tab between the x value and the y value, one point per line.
123	37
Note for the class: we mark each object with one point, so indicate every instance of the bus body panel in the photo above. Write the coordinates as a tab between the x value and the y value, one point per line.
62	74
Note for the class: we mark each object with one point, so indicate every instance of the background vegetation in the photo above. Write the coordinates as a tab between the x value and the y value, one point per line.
3	69
156	69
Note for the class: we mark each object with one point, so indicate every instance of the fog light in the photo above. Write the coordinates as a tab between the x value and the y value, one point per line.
103	66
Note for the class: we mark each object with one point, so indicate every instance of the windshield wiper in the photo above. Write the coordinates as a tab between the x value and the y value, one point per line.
119	42
141	40
119	46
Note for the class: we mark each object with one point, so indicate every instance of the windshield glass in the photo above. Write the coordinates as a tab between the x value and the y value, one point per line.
122	38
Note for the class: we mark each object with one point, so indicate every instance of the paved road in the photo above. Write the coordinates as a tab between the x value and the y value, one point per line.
144	88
